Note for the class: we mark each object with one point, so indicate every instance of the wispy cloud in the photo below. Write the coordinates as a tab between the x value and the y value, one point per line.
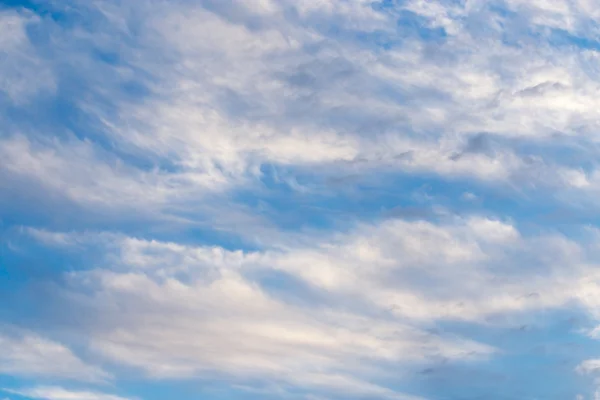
185	291
24	73
27	354
58	393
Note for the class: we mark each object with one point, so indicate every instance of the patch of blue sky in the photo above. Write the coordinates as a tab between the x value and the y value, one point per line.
336	200
535	352
561	37
410	24
81	15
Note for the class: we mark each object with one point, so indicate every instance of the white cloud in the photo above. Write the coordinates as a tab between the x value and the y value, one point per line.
573	16
192	122
188	306
59	393
274	103
22	73
589	366
67	168
384	265
27	354
249	96
234	91
231	326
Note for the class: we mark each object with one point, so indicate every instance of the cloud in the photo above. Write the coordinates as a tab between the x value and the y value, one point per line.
65	168
59	393
589	366
184	309
29	355
24	74
198	130
186	335
271	89
343	310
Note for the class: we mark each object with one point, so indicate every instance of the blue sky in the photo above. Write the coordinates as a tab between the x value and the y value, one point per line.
299	199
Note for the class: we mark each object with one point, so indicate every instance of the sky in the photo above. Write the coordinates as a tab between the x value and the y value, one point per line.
300	199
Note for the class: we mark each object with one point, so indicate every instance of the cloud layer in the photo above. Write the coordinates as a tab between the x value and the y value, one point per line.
299	199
